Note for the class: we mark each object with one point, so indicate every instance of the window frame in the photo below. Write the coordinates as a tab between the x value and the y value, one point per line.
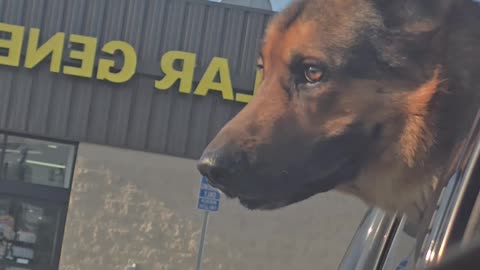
57	196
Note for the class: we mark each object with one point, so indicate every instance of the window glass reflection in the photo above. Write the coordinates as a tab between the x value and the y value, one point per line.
27	234
37	162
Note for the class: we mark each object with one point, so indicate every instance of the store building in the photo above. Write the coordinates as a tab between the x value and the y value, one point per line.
104	107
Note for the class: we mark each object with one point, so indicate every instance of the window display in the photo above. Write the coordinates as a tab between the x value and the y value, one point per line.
35	181
27	234
38	162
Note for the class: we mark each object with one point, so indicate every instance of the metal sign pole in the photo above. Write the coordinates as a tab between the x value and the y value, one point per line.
208	201
202	241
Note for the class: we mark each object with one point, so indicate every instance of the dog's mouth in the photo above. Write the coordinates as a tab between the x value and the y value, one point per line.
259	204
282	195
264	201
285	176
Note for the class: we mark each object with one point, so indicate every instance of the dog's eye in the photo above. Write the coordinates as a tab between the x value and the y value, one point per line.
313	74
259	64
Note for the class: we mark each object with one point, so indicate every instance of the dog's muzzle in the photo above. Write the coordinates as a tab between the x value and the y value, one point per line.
220	166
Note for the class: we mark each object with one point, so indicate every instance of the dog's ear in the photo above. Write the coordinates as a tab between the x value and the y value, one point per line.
414	16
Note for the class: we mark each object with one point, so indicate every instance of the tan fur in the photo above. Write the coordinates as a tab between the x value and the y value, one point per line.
338	125
417	135
386	188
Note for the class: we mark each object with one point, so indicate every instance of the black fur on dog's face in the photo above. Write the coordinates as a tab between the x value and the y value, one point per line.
343	89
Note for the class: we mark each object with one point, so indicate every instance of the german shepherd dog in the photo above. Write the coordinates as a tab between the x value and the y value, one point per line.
367	97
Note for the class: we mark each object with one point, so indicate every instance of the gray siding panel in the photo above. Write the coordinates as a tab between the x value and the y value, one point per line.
59	108
99	110
14	11
119	114
54	19
124	97
140	115
94	18
19	100
159	117
35	12
229	49
74	16
251	44
163	101
140	122
198	130
7	82
80	110
134	114
182	107
40	101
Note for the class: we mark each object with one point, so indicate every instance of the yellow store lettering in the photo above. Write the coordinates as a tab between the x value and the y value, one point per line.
13	45
87	62
82	51
217	66
172	75
37	53
128	69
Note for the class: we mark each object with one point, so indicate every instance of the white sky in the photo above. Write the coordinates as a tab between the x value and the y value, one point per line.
279	4
276	4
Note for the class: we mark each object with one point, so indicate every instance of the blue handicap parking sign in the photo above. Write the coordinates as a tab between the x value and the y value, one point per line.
210	194
403	265
209	197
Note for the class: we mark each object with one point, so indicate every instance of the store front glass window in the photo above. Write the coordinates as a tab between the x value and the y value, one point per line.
37	162
35	181
28	234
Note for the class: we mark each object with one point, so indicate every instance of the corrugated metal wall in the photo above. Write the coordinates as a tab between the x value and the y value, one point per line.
134	114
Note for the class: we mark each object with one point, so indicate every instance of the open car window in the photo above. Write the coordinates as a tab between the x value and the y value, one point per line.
451	222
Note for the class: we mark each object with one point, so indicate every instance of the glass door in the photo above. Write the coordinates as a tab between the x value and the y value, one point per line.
29	231
35	181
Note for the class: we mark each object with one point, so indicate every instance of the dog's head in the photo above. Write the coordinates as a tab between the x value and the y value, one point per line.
347	85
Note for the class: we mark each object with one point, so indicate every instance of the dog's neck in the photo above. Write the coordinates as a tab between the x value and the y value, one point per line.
398	187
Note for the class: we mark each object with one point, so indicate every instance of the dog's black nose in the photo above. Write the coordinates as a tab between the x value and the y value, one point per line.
222	165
